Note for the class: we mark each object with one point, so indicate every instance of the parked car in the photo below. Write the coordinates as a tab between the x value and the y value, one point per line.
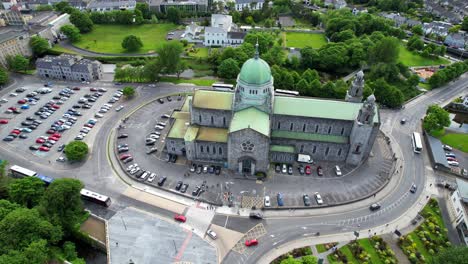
447	147
277	168
318	198
211	234
267	202
453	163
179	185
338	170
162	180
319	171
284	169
306	199
290	169
251	242
151	177
122	136
196	191
279	199
308	170
256	215
151	150
184	188
180	218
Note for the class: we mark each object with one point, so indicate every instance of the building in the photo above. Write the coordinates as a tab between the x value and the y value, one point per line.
459	201
456	40
400	20
249	128
192	6
14	17
222	32
337	4
110	5
249	4
193	33
13	43
438	28
69	67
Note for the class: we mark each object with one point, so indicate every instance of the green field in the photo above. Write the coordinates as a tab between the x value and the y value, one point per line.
300	40
198	82
458	141
411	59
108	38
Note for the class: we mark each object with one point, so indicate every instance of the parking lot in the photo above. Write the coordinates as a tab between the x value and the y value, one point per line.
44	109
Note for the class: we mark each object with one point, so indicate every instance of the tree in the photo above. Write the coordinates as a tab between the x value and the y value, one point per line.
151	70
309	260
436	118
169	56
39	45
385	51
72	32
228	69
132	43
454	29
144	9
265	40
291	260
464	25
69	250
417	30
415	43
76	150
3	76
18	63
7	207
128	91
62	6
82	21
173	15
309	57
452	255
154	19
26	191
181	67
22	226
62	204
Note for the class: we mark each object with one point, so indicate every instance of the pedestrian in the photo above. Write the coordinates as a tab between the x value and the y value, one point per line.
430	185
116	244
358	225
427	196
49	161
374	195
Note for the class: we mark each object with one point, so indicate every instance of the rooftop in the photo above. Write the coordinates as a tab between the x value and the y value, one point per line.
462	186
212	134
280	148
191	133
212	99
178	129
318	108
186	106
251	118
309	136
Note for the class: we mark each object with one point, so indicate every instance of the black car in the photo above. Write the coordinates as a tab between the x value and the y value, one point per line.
211	169
277	168
13	135
139	173
218	170
38	113
178	185
374	207
173	158
122	136
8	138
413	188
162	180
33	127
26	123
34	147
23	136
169	98
196	191
161	101
20	90
87	96
306	199
121	150
57	97
47	145
86	106
30	118
92	100
76	106
184	188
256	215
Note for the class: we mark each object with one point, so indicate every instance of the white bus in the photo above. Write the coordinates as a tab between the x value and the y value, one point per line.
286	92
223	87
95	197
417	144
20	172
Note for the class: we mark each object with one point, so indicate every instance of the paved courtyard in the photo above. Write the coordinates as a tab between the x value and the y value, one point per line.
145	239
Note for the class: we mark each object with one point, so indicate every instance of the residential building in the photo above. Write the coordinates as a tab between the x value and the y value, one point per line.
249	4
14	17
193	33
13	43
400	20
459	201
438	28
69	67
336	4
248	129
456	40
110	5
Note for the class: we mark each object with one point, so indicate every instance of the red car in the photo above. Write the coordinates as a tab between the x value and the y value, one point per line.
93	89
452	159
76	88
42	148
40	140
50	131
124	156
12	108
180	218
251	242
22	101
89	125
56	106
56	135
3	121
308	170
15	131
53	138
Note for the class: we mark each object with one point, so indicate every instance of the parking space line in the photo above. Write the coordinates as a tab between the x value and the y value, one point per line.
180	252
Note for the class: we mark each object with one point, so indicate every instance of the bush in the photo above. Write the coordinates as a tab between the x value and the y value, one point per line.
76	150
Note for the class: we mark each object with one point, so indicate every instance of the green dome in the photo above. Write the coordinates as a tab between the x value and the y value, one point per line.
255	71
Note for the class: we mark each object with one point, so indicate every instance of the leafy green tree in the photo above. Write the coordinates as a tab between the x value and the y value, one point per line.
413	80
388	71
154	19
18	63
39	45
309	260
454	29
144	9
3	76
436	118
41	8
62	204
342	36
128	91
169	56
309	57
275	56
22	226
26	191
415	43
387	94
303	87
82	21
151	70
333	57
385	51
291	260
6	207
310	75
265	40
72	32
452	255
181	67
173	15
132	43
62	6
76	150
417	30
69	250
228	69
464	25
437	79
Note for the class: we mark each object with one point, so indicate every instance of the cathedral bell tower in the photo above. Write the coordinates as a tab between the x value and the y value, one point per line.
354	94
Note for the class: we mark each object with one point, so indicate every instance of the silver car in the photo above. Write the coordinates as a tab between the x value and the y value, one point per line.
151	177
211	234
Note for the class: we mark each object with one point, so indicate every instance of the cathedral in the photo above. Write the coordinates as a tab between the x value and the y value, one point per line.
250	128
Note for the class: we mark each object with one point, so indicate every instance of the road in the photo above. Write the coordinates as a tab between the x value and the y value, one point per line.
282	230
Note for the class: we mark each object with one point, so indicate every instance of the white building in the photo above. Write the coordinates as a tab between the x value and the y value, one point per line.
222	32
215	36
459	200
249	4
193	33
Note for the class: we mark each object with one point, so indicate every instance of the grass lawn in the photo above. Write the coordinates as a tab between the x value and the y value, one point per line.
62	49
455	140
200	53
409	58
320	248
347	252
366	244
198	82
108	38
300	40
424	85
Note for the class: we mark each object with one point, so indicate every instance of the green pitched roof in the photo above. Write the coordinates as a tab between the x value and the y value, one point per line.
251	118
319	108
212	99
279	148
181	115
178	129
255	71
212	134
185	107
191	133
309	136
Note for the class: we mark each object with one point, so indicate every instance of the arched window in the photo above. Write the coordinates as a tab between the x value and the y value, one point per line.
291	126
316	128
224	121
212	120
199	118
302	148
339	152
303	127
326	151
314	150
214	150
279	125
342	130
220	151
201	149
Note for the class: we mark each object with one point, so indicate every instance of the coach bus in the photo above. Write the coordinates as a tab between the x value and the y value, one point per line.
95	197
286	92
417	143
223	87
20	172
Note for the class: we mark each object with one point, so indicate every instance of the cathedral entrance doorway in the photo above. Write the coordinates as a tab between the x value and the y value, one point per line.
247	165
